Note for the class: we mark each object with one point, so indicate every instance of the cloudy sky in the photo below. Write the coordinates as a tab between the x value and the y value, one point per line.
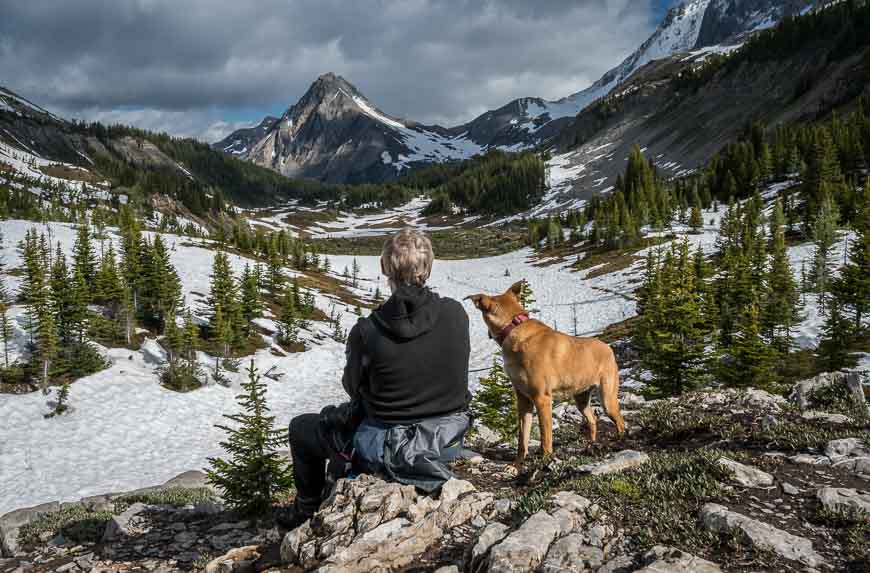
204	67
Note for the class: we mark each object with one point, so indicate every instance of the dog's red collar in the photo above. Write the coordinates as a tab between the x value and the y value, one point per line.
506	331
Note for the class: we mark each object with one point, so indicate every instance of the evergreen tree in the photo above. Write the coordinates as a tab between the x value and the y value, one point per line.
836	338
781	304
824	233
494	403
527	297
355	272
696	220
751	359
255	472
108	288
672	335
84	257
251	305
853	288
162	290
289	322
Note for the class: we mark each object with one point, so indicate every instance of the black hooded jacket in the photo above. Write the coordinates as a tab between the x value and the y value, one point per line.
409	359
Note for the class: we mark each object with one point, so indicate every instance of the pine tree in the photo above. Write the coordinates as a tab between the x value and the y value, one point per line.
672	334
751	359
84	257
836	338
696	220
527	297
853	288
288	322
824	233
255	472
274	272
163	287
251	306
355	272
494	403
108	288
781	305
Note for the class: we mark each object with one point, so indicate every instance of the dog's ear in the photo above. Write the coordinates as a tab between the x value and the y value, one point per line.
517	287
481	301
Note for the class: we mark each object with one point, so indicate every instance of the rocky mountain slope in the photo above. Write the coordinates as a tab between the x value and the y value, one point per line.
681	110
335	134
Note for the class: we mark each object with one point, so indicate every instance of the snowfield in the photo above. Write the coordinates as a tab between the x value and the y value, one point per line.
125	431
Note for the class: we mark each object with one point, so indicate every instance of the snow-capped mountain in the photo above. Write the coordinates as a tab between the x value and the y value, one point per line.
238	142
335	134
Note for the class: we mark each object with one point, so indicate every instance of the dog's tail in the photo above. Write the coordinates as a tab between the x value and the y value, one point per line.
609	391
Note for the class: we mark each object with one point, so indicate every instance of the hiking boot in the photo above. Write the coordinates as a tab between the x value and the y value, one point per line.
290	517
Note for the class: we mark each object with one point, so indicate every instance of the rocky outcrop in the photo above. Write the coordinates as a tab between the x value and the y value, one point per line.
12	522
719	519
373	525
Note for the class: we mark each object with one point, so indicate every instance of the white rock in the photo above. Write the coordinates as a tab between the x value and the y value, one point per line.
838	449
765	400
120	525
620	461
525	548
671	560
762	535
491	534
571	501
570	554
843	499
826	417
744	475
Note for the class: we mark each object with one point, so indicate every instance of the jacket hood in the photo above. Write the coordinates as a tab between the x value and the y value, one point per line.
409	313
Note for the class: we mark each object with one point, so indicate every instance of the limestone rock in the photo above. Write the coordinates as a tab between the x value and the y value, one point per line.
632	401
12	522
373	525
621	564
671	560
570	554
525	548
744	475
843	499
620	461
719	519
240	560
122	525
491	534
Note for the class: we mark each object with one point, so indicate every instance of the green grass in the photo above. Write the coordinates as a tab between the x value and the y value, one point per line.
81	525
656	503
853	529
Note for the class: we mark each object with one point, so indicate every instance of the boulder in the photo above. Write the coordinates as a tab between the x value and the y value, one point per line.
240	560
618	462
525	548
571	501
570	554
123	525
719	519
632	401
840	499
12	522
802	392
373	525
845	447
670	560
744	475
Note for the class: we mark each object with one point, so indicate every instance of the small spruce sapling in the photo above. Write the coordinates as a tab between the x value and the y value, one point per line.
254	472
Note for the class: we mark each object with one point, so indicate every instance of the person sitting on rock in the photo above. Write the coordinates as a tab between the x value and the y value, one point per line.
407	378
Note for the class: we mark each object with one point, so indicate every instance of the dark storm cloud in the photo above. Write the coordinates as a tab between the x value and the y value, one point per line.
184	65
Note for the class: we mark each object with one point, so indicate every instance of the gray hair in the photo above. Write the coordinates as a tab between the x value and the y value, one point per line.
407	258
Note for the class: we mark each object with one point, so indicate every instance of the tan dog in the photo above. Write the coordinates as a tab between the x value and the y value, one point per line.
542	362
